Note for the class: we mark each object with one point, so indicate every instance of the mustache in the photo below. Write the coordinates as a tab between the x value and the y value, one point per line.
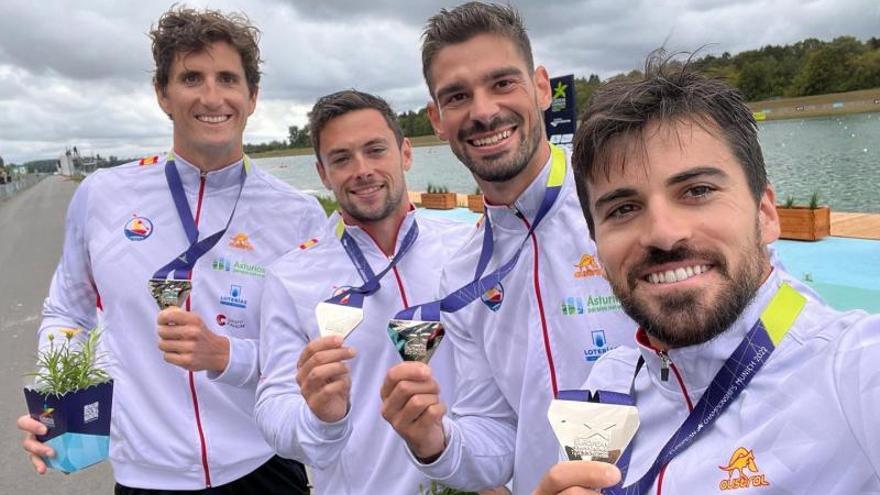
477	127
654	257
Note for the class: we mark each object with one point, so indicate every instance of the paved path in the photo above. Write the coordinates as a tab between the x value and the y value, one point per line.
32	232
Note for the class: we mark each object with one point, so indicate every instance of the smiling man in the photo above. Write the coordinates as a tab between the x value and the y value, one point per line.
184	392
319	401
552	315
741	381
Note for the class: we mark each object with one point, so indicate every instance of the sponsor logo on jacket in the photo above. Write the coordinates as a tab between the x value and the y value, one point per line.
493	297
138	228
234	298
588	266
240	241
600	346
577	305
224	264
223	320
741	462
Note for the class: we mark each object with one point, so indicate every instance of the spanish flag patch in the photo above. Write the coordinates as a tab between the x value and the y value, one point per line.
309	243
150	160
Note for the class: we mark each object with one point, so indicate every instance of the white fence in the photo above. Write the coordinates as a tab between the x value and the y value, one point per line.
9	189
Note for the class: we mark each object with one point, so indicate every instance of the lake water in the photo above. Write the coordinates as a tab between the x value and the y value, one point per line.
837	156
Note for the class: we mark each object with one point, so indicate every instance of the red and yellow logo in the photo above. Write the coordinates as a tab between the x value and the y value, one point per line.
150	160
588	266
742	460
309	243
240	241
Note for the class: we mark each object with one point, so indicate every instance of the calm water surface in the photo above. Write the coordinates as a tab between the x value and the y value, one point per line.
837	156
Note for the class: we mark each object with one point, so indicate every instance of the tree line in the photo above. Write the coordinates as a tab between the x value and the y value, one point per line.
808	67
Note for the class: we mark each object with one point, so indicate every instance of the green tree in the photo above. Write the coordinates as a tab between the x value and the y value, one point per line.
299	138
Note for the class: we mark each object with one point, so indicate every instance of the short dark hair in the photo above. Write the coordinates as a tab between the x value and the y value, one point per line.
670	91
450	27
340	103
183	30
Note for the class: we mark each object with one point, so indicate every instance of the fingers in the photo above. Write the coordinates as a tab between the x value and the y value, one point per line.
176	316
578	477
410	371
318	345
31	445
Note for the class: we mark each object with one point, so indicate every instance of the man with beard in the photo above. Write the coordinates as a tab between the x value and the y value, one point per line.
318	401
184	377
538	330
740	380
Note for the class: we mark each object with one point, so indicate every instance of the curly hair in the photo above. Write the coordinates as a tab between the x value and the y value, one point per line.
183	30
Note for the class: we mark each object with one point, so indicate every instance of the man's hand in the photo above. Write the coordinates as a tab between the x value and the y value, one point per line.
35	449
411	404
324	379
578	478
185	341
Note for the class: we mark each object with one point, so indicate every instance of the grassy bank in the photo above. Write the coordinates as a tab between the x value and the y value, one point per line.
416	141
866	100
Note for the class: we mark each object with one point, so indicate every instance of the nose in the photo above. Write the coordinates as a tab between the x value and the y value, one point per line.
664	227
210	95
361	166
484	108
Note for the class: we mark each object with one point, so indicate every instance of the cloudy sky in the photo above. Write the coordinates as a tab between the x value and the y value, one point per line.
78	72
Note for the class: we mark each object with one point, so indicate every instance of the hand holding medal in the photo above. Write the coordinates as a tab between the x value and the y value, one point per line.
324	378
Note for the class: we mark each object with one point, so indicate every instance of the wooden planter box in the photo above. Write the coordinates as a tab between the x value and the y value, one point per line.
475	203
803	224
438	201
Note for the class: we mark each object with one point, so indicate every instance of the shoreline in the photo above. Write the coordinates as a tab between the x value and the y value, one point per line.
801	107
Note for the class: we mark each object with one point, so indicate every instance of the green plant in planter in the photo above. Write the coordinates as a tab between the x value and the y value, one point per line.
63	369
72	397
789	201
439	489
814	200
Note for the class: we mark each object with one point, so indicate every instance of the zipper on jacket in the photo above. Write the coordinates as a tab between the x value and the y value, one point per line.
192	383
665	365
400	286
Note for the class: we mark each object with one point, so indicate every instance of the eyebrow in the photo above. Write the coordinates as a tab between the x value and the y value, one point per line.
687	175
696	173
458	86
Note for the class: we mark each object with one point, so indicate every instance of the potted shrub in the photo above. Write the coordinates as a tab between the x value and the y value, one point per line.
72	396
804	223
475	201
438	198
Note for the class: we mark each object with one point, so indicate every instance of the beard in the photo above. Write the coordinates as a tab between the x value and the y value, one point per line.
685	318
496	168
372	214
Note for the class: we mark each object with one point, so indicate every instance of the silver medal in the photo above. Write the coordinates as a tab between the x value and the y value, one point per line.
591	431
169	293
415	340
336	319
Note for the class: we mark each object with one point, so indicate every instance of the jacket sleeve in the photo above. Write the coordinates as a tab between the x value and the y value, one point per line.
281	412
72	298
857	378
481	430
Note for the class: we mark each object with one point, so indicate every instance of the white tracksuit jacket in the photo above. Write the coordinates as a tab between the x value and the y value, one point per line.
361	453
556	305
808	418
166	431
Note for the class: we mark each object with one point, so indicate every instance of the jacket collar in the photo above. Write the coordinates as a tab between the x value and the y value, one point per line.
190	175
698	364
364	239
528	203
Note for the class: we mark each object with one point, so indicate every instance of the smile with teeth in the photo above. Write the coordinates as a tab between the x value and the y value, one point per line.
367	190
678	275
486	141
213	119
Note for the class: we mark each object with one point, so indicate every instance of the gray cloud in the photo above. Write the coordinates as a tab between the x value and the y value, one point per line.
79	72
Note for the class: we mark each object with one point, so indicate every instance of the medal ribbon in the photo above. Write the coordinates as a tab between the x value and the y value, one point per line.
465	295
733	377
354	296
180	268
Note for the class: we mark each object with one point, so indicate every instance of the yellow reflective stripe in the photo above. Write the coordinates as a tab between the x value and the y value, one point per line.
340	228
557	167
784	308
